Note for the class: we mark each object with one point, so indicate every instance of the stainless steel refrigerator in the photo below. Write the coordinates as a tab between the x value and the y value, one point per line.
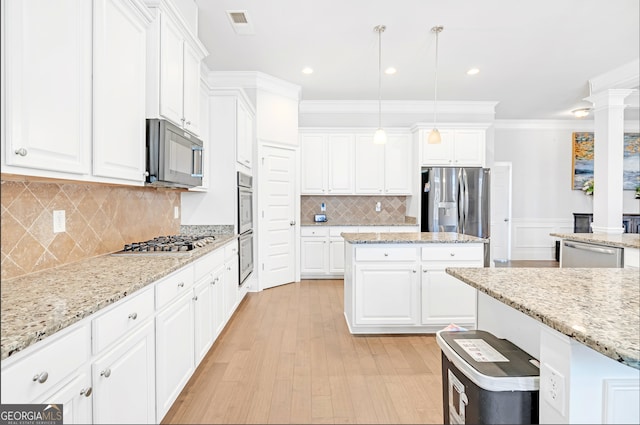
456	200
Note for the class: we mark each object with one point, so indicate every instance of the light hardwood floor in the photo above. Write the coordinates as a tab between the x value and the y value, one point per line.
287	357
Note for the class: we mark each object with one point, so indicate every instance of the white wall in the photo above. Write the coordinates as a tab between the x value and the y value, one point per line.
543	200
277	118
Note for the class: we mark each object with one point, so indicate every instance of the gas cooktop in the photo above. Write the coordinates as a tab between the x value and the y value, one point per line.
174	244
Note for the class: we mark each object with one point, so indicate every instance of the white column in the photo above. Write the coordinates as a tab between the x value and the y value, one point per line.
608	155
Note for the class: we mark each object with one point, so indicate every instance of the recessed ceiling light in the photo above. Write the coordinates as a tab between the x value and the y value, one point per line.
390	71
473	71
307	70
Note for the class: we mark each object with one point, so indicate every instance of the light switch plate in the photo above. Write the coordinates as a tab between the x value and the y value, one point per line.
176	212
59	221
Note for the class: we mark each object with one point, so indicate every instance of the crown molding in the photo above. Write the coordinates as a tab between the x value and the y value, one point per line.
253	80
624	77
573	125
168	7
395	107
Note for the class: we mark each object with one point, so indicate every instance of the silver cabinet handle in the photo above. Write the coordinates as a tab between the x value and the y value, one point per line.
106	373
21	152
86	391
181	285
133	316
41	377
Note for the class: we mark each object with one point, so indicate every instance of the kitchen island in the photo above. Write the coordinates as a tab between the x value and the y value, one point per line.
396	282
584	327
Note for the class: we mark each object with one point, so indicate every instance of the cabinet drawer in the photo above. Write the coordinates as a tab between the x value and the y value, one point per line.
453	252
56	360
122	318
366	253
373	229
173	286
335	231
314	231
231	249
208	264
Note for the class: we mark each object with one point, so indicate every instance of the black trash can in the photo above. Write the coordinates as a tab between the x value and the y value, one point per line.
486	380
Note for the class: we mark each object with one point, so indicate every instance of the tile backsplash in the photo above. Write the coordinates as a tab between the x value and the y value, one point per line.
355	209
99	219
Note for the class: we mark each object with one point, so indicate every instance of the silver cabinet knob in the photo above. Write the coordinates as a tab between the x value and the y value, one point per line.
21	152
133	316
195	298
41	377
181	285
293	223
86	391
506	219
247	161
386	254
188	122
424	271
415	271
228	268
182	119
106	373
453	254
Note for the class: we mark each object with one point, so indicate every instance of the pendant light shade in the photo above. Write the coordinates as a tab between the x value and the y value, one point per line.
380	137
434	136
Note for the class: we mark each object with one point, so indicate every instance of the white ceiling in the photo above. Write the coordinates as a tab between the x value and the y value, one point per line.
535	58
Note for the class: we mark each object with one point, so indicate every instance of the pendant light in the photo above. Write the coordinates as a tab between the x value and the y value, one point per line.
434	136
380	137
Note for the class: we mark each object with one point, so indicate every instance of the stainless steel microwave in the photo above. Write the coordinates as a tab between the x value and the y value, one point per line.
174	156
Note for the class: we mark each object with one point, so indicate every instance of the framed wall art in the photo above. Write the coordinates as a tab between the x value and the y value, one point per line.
582	160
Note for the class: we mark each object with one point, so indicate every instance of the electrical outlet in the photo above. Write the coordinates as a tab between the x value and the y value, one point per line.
323	207
59	221
552	387
176	212
378	206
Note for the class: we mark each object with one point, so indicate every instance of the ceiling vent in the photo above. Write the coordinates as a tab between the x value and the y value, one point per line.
240	22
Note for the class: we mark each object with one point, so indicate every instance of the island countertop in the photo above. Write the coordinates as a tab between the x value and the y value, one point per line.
599	308
40	304
410	237
623	240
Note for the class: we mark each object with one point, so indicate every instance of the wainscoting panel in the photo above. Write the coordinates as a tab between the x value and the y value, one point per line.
531	239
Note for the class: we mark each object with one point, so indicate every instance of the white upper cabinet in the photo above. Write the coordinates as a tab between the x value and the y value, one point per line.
47	69
244	135
369	166
119	90
459	148
397	165
340	157
173	70
313	164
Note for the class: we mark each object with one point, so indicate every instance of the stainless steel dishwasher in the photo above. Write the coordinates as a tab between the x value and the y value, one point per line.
578	254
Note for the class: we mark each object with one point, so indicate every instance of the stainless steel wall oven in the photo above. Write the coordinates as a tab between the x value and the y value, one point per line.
245	225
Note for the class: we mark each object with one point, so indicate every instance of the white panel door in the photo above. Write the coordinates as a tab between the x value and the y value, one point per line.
501	211
48	84
340	151
171	71
277	191
119	55
313	164
369	166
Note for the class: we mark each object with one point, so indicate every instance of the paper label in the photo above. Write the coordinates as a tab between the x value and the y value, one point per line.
480	350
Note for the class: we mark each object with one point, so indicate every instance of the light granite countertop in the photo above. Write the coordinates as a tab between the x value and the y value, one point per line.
410	237
624	240
40	304
599	308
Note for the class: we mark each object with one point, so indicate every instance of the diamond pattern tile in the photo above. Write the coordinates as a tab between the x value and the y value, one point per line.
355	209
99	219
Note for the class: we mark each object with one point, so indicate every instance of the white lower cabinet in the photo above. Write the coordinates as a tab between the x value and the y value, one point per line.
75	398
123	381
446	299
314	253
336	255
203	314
231	280
174	351
386	294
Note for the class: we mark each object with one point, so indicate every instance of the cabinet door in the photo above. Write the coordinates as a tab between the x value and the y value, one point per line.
203	318
119	49
171	71
313	255
124	380
340	150
446	299
231	280
369	166
386	294
217	301
191	101
397	165
313	148
469	148
437	154
75	398
48	84
244	135
336	255
174	351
